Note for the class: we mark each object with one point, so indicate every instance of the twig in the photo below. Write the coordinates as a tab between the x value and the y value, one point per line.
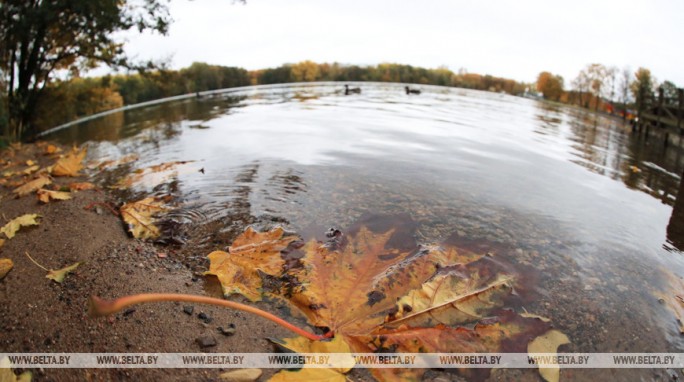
100	307
103	204
35	262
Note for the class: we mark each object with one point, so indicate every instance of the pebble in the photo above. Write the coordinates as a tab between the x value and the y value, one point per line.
204	317
128	312
206	341
228	331
188	309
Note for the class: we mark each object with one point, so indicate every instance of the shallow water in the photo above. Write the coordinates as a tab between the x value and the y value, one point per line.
550	188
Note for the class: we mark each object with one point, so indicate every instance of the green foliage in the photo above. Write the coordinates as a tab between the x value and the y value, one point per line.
42	38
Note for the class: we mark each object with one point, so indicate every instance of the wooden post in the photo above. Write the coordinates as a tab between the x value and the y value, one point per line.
659	107
680	95
675	228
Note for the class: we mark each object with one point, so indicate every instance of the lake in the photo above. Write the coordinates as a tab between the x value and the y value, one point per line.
573	200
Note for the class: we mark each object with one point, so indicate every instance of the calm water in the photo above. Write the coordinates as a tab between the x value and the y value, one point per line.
551	188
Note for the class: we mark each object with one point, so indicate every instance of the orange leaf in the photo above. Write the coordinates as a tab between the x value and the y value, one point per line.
140	217
81	186
70	164
31	186
46	195
251	253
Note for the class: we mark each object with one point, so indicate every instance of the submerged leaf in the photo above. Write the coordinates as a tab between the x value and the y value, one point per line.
252	252
6	265
58	275
32	186
70	164
548	343
379	296
151	176
140	217
46	195
11	228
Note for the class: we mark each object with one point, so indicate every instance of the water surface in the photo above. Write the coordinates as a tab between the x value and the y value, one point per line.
573	199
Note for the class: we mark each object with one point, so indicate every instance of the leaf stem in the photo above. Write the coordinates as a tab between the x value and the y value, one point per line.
35	262
100	307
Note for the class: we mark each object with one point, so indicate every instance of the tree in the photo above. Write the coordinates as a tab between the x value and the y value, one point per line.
670	93
41	38
550	86
642	88
305	71
625	79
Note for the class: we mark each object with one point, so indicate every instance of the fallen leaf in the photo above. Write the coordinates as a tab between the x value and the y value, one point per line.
115	162
58	275
635	169
46	195
5	266
30	163
51	149
2	242
7	375
140	217
32	186
377	295
11	228
70	164
251	253
548	343
302	345
81	186
241	375
151	176
30	170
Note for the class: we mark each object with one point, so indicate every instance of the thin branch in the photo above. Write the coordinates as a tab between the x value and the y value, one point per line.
100	307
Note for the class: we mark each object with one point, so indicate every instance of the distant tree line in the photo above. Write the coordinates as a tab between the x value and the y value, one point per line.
609	89
67	100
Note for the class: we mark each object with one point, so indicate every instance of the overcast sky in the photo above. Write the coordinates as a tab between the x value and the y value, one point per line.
508	38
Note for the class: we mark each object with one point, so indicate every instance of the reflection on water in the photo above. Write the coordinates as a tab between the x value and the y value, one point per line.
574	199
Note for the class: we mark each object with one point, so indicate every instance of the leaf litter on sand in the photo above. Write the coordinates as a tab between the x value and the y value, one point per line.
45	196
57	275
11	228
6	265
31	186
70	164
7	375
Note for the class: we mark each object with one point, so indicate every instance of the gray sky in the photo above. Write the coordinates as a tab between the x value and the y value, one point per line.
509	38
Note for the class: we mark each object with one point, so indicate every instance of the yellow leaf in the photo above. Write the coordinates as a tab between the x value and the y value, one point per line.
308	375
140	217
2	242
81	186
59	274
46	195
5	266
252	252
32	186
548	343
241	375
30	170
70	164
30	163
6	374
343	361
11	228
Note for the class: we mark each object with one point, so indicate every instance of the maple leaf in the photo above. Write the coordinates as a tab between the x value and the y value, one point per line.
32	186
413	299
140	217
251	253
545	344
11	228
45	196
337	346
70	164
